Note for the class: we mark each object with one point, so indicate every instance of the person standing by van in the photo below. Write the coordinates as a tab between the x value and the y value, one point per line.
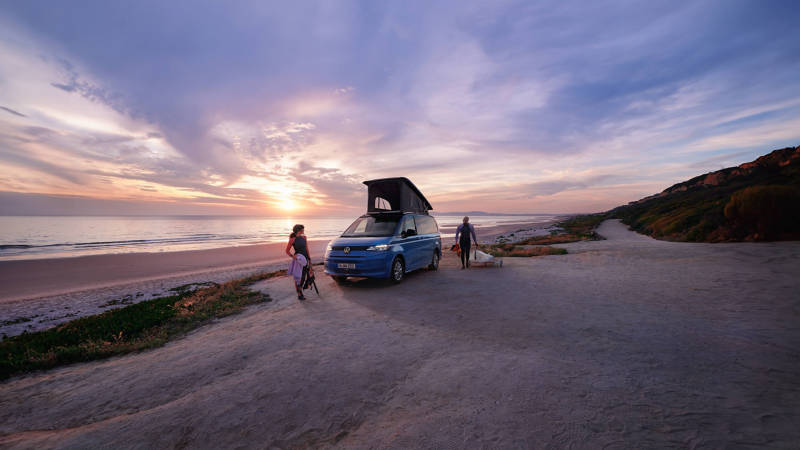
298	241
465	230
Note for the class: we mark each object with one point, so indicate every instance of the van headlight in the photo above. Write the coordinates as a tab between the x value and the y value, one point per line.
378	248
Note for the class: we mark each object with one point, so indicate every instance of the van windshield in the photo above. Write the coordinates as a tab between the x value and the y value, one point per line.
372	226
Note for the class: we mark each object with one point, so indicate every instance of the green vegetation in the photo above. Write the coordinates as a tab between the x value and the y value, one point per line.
583	226
18	320
771	211
758	201
576	229
139	326
512	250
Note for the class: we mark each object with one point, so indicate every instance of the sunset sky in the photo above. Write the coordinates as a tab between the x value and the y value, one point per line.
276	108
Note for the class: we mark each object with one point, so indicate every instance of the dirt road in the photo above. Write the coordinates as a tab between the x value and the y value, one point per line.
623	343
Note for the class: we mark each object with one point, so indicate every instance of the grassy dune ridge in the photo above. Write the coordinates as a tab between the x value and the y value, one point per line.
512	250
755	201
143	325
576	229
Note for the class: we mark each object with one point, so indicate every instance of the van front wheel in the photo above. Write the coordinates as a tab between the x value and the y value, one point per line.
398	270
434	261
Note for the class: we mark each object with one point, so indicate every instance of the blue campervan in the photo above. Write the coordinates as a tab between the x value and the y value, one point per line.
394	237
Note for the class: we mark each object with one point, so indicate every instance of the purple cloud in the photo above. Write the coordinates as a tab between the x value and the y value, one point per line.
320	95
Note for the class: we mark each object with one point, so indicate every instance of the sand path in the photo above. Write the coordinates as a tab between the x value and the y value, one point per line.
623	343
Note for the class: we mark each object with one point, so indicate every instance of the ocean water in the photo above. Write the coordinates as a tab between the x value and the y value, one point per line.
35	237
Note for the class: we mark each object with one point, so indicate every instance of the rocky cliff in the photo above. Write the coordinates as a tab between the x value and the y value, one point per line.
777	158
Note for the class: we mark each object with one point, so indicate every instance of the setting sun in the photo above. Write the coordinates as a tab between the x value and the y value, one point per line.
287	205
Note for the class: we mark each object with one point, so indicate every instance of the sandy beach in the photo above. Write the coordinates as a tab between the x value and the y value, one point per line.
40	277
52	291
623	343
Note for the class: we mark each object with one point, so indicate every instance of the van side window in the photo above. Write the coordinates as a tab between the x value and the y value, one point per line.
402	227
426	225
422	227
432	225
408	224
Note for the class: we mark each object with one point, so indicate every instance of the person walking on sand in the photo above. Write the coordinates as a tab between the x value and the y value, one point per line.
298	241
465	230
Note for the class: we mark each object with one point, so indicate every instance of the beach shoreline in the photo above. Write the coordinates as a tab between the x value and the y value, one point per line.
40	293
31	278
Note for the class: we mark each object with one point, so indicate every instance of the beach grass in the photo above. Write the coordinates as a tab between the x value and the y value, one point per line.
139	326
576	229
512	250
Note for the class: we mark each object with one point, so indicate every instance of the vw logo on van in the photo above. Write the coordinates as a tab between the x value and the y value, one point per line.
347	250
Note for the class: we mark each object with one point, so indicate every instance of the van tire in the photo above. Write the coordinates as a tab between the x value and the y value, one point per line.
339	279
398	270
434	260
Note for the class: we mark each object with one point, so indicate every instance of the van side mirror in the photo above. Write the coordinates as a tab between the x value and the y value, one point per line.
409	233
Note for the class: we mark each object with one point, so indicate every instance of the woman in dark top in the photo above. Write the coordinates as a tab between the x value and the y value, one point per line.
465	230
298	241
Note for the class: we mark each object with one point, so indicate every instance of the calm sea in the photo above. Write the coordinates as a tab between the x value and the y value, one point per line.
38	237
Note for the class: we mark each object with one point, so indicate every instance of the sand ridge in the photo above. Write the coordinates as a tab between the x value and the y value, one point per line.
623	343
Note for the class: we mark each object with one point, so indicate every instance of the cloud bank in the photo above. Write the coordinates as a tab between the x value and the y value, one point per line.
274	108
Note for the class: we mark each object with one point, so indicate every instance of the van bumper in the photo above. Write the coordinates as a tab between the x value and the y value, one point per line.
375	265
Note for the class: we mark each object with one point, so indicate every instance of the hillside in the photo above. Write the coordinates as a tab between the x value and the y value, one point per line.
755	201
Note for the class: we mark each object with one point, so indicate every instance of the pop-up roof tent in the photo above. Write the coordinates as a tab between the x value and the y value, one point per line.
396	195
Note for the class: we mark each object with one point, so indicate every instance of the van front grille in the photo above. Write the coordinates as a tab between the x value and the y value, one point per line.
353	248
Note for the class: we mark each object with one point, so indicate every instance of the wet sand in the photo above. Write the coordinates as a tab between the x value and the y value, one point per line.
623	343
41	277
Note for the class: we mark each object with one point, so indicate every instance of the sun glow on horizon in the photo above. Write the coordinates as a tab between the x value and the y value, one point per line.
287	205
476	123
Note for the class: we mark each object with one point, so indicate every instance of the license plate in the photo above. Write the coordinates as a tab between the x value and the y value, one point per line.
347	266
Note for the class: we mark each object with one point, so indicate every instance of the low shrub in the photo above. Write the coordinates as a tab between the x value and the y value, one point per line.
699	232
721	234
146	324
583	225
576	229
770	211
502	250
554	239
